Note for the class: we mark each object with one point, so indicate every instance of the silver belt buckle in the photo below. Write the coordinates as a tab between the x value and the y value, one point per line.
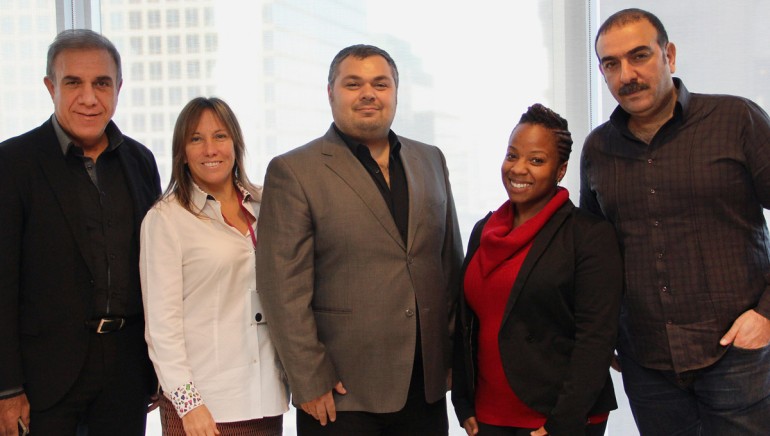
104	321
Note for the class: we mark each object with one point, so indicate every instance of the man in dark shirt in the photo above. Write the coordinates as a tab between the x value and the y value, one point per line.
684	178
73	193
358	258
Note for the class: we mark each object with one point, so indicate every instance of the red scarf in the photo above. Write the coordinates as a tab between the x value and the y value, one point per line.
501	241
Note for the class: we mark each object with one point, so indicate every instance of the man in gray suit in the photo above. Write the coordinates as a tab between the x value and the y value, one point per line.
358	258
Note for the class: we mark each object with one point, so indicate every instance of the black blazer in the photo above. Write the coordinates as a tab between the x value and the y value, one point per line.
560	324
45	280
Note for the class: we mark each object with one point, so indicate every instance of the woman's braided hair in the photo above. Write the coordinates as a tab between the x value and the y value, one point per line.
539	114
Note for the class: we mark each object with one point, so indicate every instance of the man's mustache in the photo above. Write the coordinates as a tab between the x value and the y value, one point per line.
632	88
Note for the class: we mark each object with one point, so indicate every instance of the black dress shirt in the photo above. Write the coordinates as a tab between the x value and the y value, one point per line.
107	211
688	209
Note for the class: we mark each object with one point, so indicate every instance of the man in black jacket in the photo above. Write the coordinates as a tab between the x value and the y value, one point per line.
73	194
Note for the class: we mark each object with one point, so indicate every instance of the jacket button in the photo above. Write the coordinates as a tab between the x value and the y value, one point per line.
258	317
529	338
409	313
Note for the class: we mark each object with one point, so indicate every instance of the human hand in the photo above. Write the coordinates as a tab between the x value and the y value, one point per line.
11	409
323	406
615	363
750	331
154	402
539	432
199	422
471	426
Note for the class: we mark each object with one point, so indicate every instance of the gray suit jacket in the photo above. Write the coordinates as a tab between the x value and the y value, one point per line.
339	288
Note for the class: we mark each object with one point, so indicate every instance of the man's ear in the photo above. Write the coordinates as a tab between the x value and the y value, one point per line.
50	86
671	56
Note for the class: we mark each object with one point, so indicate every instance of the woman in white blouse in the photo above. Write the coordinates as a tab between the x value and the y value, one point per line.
207	336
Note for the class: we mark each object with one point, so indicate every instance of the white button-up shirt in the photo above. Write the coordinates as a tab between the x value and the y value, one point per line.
204	319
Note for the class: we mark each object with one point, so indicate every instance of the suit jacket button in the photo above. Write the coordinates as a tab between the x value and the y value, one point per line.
529	338
258	317
409	313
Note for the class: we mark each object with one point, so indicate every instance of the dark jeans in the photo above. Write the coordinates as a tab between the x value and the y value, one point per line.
110	396
730	397
417	418
493	430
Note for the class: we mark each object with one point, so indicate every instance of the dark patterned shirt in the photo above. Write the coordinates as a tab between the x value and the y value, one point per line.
688	209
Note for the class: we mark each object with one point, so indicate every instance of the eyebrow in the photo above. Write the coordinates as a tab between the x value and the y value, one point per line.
356	77
80	79
223	129
630	52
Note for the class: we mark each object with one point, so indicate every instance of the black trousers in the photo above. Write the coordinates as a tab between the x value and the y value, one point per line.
417	418
111	394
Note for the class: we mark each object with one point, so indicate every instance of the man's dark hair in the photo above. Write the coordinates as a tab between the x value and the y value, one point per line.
632	15
541	115
360	51
81	39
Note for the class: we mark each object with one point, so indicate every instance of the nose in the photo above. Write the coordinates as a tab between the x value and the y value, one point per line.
209	148
87	95
627	72
367	92
519	166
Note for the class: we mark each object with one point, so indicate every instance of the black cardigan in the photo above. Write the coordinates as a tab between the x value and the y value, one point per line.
560	323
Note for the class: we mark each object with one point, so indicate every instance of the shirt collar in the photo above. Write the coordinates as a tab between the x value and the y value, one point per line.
355	147
620	117
114	136
200	197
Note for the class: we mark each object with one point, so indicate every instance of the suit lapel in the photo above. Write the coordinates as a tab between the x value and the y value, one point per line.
416	187
345	165
131	172
54	168
539	245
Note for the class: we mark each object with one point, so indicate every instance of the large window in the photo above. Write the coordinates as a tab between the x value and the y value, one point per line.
26	29
464	83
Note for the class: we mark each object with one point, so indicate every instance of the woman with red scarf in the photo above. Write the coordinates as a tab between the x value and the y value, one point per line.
538	312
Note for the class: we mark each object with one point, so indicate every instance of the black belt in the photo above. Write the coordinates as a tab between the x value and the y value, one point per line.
111	323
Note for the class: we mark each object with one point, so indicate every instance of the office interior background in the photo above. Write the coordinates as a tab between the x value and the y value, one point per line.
468	70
